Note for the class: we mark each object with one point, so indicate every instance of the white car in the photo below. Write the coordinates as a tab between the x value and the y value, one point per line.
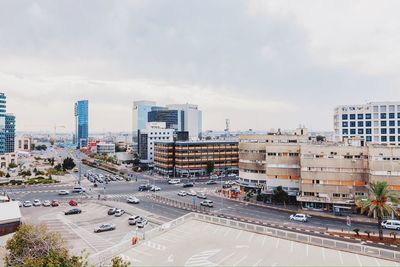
391	224
142	223
298	217
207	203
46	203
191	193
133	200
133	220
155	188
182	193
37	203
27	203
63	192
174	181
119	213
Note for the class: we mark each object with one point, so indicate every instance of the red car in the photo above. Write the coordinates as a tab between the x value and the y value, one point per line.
73	203
54	203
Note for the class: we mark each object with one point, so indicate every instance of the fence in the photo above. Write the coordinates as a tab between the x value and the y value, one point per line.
366	250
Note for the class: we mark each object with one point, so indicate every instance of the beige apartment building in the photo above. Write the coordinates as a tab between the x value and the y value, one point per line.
325	176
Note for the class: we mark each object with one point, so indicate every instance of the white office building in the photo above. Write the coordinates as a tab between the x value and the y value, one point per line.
154	132
105	148
375	122
193	119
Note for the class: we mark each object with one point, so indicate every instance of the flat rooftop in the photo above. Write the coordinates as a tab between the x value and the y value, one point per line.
197	243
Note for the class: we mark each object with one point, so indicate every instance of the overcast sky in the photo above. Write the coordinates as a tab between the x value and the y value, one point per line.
263	64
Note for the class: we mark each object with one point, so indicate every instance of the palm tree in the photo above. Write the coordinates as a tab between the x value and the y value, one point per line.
377	203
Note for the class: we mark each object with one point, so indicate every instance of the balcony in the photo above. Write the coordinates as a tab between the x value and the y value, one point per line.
342	201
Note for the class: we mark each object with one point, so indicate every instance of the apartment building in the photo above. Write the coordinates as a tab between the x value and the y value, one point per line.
190	158
375	122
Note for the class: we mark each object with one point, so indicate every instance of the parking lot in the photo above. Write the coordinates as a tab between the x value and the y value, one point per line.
197	243
78	229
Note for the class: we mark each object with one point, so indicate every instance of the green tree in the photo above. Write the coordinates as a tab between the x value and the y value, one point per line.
34	245
12	165
119	262
357	231
280	195
68	163
320	138
377	203
210	167
8	175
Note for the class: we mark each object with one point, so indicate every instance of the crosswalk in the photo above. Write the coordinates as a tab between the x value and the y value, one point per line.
202	258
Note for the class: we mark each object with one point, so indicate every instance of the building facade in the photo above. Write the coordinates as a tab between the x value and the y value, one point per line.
81	137
191	158
23	143
193	119
3	102
10	133
375	122
173	119
105	148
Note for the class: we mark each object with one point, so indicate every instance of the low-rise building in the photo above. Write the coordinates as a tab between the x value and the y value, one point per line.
23	144
105	148
10	217
191	158
7	159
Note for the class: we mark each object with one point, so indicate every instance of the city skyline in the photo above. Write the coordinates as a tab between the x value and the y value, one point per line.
262	64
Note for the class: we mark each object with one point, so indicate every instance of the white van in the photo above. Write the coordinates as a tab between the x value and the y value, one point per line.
174	181
78	189
391	224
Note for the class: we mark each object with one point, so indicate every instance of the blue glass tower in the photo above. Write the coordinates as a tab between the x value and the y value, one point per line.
81	137
2	123
10	133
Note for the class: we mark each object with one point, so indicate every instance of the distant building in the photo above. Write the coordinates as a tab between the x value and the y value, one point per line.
174	119
23	143
10	133
6	159
81	137
375	122
192	119
105	148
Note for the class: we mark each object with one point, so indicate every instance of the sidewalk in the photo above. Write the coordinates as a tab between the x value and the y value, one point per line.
354	217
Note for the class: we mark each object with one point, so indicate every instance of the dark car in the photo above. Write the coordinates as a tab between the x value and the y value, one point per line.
112	211
73	211
144	187
188	185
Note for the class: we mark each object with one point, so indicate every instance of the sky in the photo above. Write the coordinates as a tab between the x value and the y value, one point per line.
262	64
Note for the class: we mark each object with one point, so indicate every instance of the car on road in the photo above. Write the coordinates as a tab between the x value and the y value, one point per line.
182	193
119	212
134	219
73	202
191	193
112	211
37	203
104	227
155	188
201	196
27	203
78	189
73	211
188	185
298	217
209	182
142	223
174	181
19	203
46	203
232	175
144	187
207	203
213	176
225	186
63	192
391	224
133	200
54	203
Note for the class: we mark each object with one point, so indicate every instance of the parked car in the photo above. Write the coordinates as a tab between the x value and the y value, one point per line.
142	223
188	185
298	217
73	211
182	193
174	181
144	187
134	219
155	188
46	203
232	175
112	211
192	193
54	203
19	203
211	182
78	189
104	227
391	224
213	176
119	212
37	203
133	200
63	192
73	202
201	196
207	203
226	186
27	203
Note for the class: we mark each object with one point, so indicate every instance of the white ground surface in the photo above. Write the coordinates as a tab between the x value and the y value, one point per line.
196	243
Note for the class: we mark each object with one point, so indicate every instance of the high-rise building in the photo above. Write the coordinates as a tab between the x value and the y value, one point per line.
375	122
174	119
3	102
81	136
10	133
193	119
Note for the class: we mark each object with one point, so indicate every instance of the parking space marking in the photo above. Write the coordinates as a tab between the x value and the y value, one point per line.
257	263
340	257
227	232
358	260
264	239
378	263
240	261
225	258
291	246
323	254
277	243
238	235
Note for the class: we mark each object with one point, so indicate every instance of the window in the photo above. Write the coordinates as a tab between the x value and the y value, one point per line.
398	115
383	124
368	123
367	131
391	115
383	115
352	116
352	131
352	124
360	124
345	124
344	116
360	131
398	123
392	138
392	123
345	131
383	139
398	130
368	116
392	131
336	195
360	116
383	131
369	139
